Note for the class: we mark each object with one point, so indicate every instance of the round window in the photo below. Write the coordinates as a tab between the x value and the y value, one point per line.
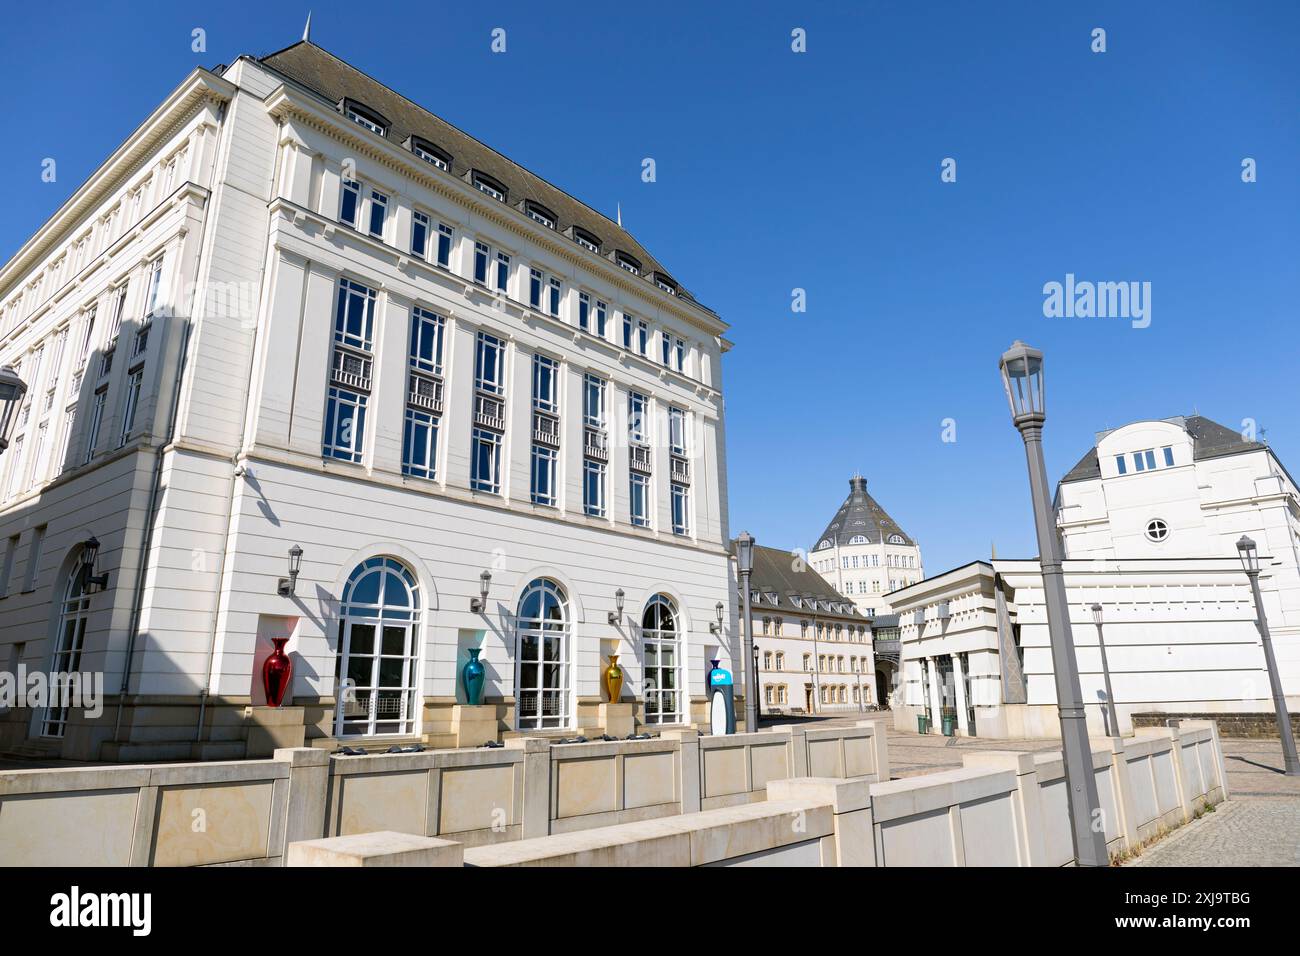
1157	529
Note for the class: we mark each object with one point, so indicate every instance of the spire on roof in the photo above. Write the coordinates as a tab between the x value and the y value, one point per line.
620	215
306	31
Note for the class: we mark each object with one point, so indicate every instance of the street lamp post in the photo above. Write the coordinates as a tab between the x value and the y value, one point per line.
744	565
12	390
1250	563
1109	709
1022	378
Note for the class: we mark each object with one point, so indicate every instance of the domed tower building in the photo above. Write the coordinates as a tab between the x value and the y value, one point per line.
865	554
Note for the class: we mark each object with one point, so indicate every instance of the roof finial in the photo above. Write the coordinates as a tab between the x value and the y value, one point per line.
619	213
993	546
306	31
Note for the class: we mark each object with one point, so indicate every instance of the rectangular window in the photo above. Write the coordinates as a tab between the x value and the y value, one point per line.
1139	463
1120	466
643	338
345	422
419	234
38	453
545	382
535	289
354	315
86	337
350	202
503	273
681	509
7	570
593	400
593	488
96	420
1169	457
584	311
485	470
427	331
420	444
553	301
1150	454
15	457
543	475
481	255
665	349
151	294
378	210
602	311
34	558
636	418
677	430
627	331
489	364
640	500
69	423
679	351
444	245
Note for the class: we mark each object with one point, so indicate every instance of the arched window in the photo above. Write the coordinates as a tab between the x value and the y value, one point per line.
541	656
379	639
660	637
67	652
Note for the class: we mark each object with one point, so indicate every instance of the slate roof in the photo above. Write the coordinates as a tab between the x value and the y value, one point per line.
334	80
860	514
1209	440
775	573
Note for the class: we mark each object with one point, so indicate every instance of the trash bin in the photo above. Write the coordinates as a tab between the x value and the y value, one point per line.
922	724
950	725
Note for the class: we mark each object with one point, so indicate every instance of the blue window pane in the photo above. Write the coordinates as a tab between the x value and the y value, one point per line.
1151	457
1169	457
1119	464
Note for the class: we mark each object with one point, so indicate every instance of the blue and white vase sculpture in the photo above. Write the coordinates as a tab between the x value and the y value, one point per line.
472	677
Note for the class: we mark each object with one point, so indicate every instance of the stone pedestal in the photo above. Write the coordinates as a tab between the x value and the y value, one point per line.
271	728
618	719
473	724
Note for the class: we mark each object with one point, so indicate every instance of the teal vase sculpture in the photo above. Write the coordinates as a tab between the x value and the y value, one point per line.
472	677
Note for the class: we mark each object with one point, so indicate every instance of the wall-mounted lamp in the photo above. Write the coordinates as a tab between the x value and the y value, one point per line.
286	586
89	552
716	628
479	603
616	615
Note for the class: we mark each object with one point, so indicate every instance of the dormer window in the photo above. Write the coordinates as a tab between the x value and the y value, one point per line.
628	262
364	116
430	153
487	184
666	283
896	539
540	213
587	240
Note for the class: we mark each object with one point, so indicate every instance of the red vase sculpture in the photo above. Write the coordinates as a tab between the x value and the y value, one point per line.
277	672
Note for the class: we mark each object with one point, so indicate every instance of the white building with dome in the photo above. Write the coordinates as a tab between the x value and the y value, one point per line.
864	553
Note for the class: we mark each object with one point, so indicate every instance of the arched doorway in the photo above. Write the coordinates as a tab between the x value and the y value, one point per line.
71	638
379	640
662	660
541	657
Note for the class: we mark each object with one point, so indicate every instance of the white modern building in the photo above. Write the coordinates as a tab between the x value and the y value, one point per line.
296	309
864	554
814	647
1149	519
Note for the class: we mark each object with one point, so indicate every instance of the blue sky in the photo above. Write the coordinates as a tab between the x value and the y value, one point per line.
821	171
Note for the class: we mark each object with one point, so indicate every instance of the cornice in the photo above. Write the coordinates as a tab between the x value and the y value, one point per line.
198	88
286	103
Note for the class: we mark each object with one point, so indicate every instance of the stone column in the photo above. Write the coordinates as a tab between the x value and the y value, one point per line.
308	786
959	683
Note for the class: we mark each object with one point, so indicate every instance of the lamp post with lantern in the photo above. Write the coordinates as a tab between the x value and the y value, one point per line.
1250	564
744	565
12	390
1022	378
1109	709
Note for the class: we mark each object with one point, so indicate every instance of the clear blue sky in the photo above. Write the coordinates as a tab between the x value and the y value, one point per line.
821	171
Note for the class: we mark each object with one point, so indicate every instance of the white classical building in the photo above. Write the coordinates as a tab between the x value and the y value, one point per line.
864	554
295	308
1149	519
815	648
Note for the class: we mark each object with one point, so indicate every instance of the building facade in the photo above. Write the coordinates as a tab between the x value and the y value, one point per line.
864	554
294	308
1149	519
814	647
